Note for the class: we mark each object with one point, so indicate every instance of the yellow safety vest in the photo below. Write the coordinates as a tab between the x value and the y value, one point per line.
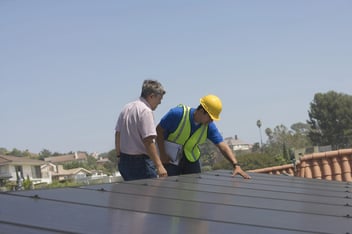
182	136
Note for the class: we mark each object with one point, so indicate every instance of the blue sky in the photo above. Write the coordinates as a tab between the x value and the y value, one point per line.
68	67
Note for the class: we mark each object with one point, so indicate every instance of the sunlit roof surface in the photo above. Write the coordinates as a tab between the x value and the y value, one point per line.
211	202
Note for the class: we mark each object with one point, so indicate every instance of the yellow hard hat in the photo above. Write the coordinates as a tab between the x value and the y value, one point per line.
212	104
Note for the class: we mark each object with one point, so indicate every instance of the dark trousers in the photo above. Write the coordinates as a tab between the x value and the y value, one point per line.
184	167
135	167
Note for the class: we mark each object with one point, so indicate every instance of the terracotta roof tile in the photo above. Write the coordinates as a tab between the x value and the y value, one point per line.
330	165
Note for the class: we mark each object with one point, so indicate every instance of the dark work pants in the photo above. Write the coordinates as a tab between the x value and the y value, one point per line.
135	167
184	167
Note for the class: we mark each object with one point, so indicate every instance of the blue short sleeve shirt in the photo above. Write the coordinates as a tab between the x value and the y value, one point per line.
172	118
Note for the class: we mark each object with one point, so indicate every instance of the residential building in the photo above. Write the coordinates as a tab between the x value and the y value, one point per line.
62	159
74	174
236	144
102	160
14	168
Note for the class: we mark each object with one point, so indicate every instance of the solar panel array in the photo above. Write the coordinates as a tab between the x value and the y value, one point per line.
211	202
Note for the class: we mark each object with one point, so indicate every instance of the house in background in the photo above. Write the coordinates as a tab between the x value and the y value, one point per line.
54	167
75	157
47	170
14	168
17	169
75	174
102	161
236	144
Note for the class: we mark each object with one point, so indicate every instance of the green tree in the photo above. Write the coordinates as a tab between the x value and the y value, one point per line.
3	151
301	128
27	183
75	164
282	139
251	161
256	147
91	163
45	153
258	160
330	119
15	152
111	155
110	167
210	153
27	154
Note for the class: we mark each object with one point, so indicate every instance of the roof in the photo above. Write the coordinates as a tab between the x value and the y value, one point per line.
103	160
330	165
14	160
67	158
211	202
73	171
235	141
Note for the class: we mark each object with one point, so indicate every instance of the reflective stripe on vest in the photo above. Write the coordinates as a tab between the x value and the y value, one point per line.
182	136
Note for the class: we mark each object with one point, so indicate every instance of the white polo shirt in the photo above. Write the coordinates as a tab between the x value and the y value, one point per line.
135	122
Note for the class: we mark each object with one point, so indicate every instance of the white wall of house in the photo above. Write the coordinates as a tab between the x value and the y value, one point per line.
31	171
241	147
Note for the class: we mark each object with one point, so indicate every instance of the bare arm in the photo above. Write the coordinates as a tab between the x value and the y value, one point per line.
229	155
117	143
160	141
153	154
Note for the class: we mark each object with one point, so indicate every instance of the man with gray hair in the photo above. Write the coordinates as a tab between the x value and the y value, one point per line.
135	135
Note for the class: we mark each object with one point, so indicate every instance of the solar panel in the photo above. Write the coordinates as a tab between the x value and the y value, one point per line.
211	202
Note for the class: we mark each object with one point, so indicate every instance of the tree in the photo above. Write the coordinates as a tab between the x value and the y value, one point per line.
254	161
256	147
301	128
111	155
91	162
27	154
110	167
44	154
281	140
15	152
330	119
210	153
3	151
259	124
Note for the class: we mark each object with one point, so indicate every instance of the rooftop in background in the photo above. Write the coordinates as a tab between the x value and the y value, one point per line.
237	144
77	156
7	159
211	202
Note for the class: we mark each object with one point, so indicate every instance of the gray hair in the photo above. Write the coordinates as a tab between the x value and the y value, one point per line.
152	87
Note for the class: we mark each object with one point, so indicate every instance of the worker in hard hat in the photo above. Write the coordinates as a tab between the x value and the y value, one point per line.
183	128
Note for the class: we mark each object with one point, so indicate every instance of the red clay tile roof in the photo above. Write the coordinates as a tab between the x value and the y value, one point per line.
330	165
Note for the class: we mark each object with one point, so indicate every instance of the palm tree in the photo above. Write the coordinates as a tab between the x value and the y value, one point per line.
259	124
